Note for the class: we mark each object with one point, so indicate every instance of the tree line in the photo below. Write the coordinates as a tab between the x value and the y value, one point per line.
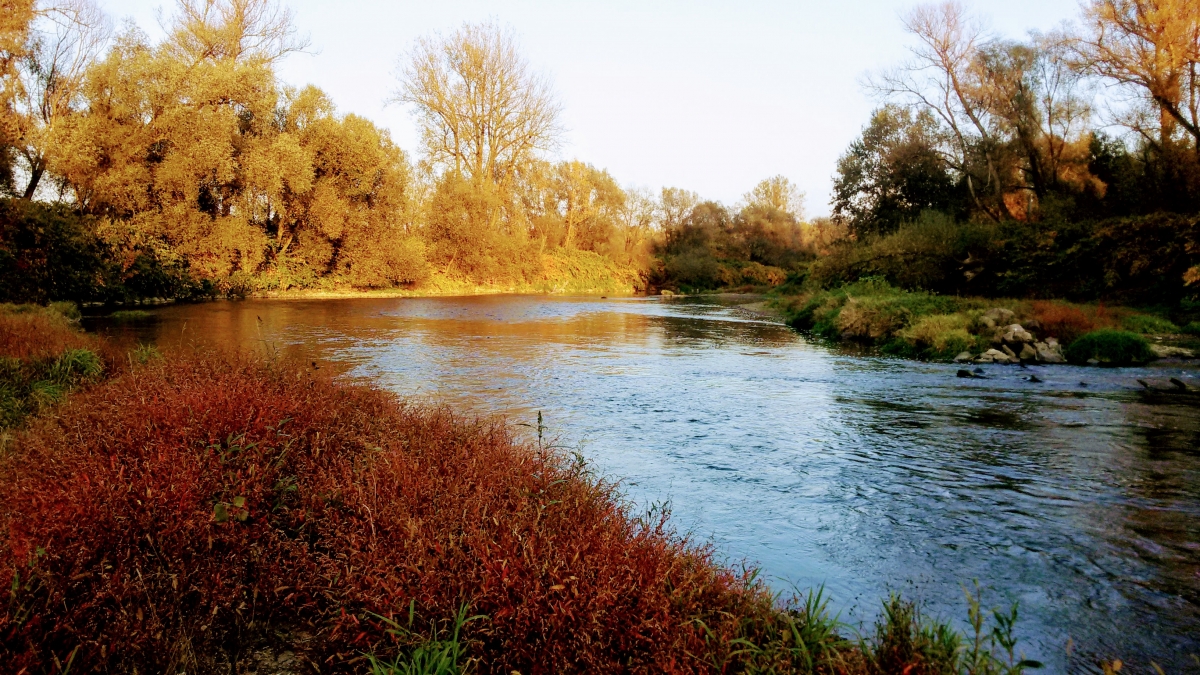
189	163
1096	120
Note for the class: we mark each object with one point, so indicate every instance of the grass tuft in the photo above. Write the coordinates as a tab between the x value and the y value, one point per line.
130	315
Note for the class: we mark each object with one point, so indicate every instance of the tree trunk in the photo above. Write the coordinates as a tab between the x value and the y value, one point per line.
34	179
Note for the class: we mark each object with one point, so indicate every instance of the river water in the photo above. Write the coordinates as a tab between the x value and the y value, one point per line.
1078	497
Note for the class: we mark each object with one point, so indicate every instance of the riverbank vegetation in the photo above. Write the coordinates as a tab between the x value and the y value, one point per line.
215	513
986	174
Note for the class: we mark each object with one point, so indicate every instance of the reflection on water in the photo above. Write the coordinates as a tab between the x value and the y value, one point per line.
1079	499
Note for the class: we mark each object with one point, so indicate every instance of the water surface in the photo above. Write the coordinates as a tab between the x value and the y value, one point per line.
1078	497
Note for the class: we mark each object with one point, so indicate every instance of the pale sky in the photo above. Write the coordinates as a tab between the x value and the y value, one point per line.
697	94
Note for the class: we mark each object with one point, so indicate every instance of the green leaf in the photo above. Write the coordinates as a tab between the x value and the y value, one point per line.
220	512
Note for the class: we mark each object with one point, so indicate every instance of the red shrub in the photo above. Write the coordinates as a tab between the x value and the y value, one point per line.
177	516
1063	322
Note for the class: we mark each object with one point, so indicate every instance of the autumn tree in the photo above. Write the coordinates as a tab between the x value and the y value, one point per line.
1152	46
15	17
777	193
482	111
942	77
234	30
64	40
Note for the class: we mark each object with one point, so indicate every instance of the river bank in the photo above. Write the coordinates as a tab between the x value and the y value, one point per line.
289	514
927	326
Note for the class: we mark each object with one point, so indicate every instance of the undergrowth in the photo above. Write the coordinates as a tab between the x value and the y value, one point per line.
923	325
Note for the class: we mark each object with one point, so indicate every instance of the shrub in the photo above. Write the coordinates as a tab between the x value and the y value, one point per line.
1110	347
1061	321
1192	328
183	513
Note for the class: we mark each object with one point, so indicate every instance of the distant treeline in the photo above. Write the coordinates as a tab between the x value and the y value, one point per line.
1064	165
187	168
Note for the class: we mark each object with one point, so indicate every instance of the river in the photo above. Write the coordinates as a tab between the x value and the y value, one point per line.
1077	497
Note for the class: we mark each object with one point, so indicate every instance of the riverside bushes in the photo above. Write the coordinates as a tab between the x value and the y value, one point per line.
1110	347
924	325
181	514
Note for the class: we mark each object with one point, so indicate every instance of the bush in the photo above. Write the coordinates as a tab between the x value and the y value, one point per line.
180	515
1140	260
1110	347
47	252
1061	321
1192	328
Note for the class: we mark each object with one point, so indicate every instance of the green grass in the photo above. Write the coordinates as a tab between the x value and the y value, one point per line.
801	637
130	315
1110	348
441	652
144	353
1148	324
28	386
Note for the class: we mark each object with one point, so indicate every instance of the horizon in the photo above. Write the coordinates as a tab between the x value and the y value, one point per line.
702	97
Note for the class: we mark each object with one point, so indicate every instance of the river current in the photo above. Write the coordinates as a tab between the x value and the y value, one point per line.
1077	497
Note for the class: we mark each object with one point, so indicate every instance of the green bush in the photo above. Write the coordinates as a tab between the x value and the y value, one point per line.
1192	328
1110	348
49	252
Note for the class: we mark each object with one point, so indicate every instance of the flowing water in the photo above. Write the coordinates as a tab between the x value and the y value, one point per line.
1078	497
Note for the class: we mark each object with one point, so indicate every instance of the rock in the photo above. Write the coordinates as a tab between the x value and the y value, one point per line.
1049	352
1180	384
995	356
987	322
1093	362
666	293
1009	352
1033	325
1028	353
1165	352
999	315
978	371
962	372
1035	379
964	357
1015	334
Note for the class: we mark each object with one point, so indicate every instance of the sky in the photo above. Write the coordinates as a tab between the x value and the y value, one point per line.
698	94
